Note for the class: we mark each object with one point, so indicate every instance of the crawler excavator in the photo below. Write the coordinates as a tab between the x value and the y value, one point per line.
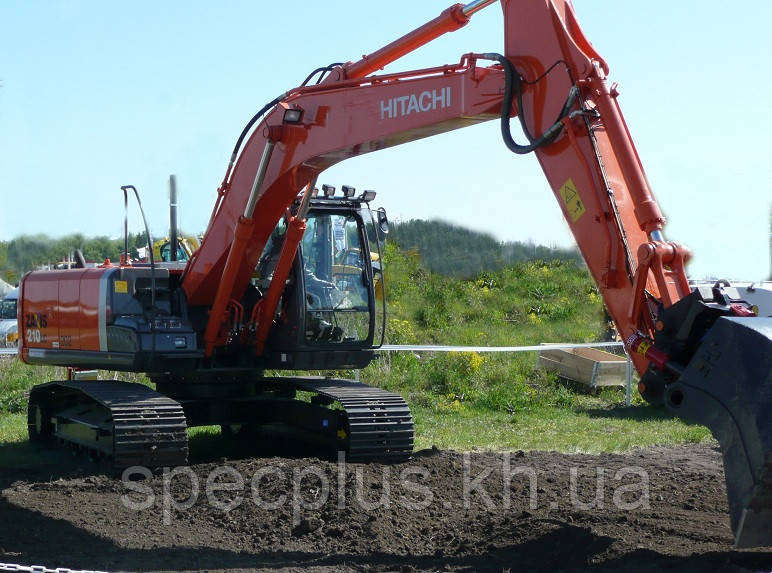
206	331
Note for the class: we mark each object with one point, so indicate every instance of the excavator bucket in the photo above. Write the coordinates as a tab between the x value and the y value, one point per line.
727	387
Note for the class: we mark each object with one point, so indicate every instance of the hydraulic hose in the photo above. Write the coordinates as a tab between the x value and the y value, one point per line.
249	125
513	87
321	70
262	112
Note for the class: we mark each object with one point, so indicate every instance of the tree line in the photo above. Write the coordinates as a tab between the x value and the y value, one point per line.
29	252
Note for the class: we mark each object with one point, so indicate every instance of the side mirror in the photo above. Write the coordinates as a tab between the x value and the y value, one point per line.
383	221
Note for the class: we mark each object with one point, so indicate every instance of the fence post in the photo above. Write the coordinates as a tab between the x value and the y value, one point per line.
629	375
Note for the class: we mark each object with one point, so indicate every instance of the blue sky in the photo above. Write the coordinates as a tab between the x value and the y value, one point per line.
99	94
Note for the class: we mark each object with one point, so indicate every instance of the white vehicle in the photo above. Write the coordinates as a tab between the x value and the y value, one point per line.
9	326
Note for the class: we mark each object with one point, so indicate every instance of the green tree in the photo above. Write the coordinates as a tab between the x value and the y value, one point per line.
28	251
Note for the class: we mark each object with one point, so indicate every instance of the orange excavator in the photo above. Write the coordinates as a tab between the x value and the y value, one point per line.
261	292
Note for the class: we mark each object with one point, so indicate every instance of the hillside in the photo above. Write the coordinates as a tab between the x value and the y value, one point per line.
455	251
524	303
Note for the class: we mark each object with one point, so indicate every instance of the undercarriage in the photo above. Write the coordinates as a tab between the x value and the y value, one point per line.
131	424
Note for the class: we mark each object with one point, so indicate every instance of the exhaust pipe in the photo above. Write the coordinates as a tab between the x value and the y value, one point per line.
173	217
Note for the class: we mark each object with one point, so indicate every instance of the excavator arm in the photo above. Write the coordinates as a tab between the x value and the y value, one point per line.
704	353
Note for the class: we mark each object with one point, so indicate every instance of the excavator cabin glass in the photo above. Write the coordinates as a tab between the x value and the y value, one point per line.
166	253
336	277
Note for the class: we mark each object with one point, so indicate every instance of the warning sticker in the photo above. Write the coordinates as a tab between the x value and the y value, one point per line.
121	287
573	202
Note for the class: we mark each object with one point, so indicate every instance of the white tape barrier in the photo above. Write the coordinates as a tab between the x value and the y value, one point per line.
558	346
41	569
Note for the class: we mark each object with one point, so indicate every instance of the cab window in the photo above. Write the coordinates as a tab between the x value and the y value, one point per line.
335	277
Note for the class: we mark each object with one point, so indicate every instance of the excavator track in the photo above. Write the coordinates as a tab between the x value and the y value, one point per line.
379	423
129	424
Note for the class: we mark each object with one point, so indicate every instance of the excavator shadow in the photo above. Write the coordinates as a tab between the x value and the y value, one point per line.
22	455
209	444
45	460
32	462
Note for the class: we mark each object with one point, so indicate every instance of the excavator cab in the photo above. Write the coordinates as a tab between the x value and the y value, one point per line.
332	307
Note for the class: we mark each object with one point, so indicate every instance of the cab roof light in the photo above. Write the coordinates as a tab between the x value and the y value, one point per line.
367	196
293	115
329	190
348	191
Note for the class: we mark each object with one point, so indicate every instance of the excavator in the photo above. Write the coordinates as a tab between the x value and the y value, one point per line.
207	331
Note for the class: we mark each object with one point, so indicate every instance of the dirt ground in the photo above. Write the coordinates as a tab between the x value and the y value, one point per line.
655	509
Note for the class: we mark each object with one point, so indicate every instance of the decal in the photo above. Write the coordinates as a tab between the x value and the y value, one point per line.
415	103
572	200
35	320
34	336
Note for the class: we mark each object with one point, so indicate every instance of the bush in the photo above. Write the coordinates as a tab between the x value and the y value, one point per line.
16	378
